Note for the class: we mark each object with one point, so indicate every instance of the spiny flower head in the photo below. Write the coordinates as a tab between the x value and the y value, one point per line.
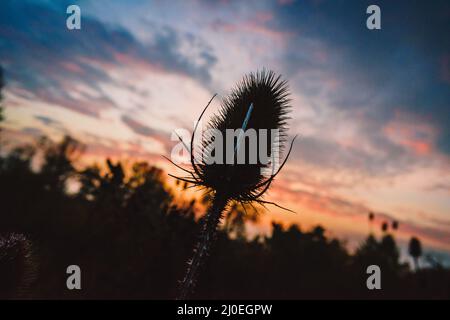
258	103
262	99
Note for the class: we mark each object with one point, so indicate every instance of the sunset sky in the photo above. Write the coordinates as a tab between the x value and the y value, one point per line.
371	107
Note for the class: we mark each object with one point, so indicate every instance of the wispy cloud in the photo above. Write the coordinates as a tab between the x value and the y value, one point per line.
41	56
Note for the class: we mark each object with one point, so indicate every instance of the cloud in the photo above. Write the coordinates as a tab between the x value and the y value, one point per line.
332	55
143	130
33	131
256	25
325	203
42	56
137	127
47	120
367	151
445	187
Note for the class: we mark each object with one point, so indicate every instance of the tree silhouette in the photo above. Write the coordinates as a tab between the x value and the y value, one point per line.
58	161
415	250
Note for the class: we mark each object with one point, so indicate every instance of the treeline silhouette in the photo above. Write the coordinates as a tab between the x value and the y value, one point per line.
131	237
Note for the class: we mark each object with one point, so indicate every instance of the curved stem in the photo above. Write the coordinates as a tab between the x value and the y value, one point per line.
201	251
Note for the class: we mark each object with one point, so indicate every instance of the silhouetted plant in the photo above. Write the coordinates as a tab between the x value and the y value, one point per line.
18	266
385	226
415	250
395	225
318	233
371	217
385	254
259	101
135	248
58	159
389	249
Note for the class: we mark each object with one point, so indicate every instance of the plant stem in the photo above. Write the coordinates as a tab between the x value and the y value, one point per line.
201	251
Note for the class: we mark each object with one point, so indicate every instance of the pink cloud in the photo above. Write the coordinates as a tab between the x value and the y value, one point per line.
255	25
412	132
131	61
72	67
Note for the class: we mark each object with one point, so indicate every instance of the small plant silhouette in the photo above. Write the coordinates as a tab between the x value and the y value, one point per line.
385	227
415	250
371	217
259	101
395	225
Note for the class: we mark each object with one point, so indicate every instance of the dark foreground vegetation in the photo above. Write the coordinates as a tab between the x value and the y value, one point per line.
132	240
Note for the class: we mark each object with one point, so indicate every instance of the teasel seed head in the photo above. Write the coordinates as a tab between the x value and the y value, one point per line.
260	101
